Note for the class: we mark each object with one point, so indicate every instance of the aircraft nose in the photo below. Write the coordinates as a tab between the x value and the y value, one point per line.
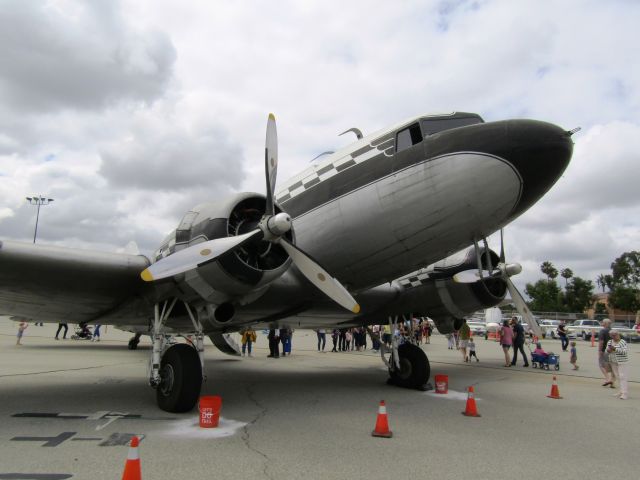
540	152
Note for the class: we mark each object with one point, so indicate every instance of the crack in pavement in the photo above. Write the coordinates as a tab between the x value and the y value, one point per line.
246	437
67	369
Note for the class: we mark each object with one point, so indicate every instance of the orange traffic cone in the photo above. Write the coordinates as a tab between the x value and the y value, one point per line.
471	409
132	465
593	338
382	425
555	393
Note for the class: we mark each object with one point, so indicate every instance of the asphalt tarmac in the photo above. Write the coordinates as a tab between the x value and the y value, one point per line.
68	409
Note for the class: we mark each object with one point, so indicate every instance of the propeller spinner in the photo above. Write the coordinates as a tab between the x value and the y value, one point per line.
272	228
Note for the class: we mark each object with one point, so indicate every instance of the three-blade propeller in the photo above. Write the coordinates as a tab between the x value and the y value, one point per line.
504	271
272	228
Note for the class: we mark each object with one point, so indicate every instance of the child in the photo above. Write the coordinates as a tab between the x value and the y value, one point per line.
574	356
472	350
22	326
451	341
540	351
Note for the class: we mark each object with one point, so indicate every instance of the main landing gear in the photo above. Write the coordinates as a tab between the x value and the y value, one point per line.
176	368
407	363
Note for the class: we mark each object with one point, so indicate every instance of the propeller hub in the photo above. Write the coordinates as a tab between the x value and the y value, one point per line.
512	269
279	224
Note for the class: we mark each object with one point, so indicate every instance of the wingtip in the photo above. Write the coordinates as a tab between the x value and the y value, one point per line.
146	275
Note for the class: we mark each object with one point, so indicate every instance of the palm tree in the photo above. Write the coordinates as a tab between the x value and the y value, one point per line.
566	273
605	281
549	270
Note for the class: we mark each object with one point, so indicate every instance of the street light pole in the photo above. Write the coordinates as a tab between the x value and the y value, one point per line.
39	201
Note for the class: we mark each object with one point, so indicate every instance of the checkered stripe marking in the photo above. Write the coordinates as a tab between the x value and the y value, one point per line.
414	280
385	145
315	177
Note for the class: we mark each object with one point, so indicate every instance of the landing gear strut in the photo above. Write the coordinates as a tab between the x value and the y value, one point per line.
176	368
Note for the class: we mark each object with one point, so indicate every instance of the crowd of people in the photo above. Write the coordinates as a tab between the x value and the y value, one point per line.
613	352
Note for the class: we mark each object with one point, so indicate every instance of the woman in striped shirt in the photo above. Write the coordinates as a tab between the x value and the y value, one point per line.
619	359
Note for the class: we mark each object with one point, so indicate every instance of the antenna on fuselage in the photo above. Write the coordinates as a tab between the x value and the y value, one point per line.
354	130
328	152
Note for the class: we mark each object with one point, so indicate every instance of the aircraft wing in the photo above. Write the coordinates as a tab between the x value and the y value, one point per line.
47	283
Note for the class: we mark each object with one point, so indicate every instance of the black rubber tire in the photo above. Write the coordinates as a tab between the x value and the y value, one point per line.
414	367
181	375
133	343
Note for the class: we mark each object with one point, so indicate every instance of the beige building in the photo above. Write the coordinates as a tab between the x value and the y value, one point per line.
612	313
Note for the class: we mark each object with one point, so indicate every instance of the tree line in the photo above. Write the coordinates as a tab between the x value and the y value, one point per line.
623	284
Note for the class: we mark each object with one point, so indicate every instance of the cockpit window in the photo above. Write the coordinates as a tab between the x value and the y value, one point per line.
408	137
435	125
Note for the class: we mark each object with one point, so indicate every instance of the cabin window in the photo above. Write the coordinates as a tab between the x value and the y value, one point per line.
183	232
408	137
435	125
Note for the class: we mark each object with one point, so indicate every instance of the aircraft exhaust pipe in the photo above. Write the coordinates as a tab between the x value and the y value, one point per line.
224	313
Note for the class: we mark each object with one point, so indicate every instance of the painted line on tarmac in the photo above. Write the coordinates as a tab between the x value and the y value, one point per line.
35	476
529	370
113	440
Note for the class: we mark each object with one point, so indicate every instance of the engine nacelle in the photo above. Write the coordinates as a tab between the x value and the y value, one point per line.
432	291
239	276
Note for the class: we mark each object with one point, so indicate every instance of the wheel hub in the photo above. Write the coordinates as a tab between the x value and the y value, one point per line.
167	377
405	368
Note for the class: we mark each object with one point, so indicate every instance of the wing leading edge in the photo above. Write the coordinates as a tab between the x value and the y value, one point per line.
47	283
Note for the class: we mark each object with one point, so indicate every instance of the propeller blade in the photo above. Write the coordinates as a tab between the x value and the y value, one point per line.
194	256
470	276
320	277
502	246
522	308
271	162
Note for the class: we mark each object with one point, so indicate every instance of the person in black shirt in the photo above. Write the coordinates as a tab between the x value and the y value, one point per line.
518	342
562	333
274	340
603	357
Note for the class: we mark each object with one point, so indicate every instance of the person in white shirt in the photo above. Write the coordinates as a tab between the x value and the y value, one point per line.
619	360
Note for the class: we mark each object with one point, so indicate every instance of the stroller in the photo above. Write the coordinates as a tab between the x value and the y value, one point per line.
83	332
543	361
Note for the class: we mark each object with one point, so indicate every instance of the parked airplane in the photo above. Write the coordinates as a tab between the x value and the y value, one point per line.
385	215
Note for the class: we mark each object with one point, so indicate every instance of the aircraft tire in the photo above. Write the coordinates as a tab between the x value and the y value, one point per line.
133	343
414	368
181	375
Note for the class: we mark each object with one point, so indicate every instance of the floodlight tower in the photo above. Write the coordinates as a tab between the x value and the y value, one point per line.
39	201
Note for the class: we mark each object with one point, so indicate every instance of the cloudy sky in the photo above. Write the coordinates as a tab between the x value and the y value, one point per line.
128	113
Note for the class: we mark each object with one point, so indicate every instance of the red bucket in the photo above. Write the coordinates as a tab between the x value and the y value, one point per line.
210	407
442	383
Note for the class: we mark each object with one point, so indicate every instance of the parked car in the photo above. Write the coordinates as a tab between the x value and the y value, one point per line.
478	327
549	327
584	328
629	334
